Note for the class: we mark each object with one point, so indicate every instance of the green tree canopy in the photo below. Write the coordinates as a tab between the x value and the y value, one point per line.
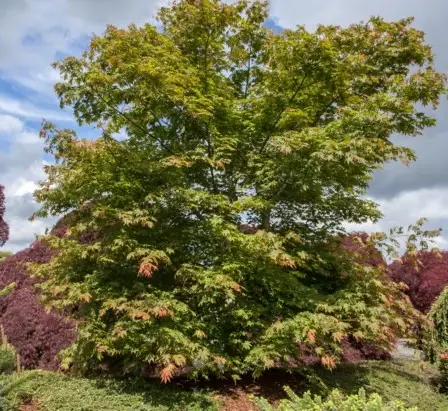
210	226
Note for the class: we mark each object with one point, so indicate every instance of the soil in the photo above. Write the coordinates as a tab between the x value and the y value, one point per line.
31	405
237	396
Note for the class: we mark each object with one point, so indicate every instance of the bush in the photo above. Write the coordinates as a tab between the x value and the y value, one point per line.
37	335
425	283
335	401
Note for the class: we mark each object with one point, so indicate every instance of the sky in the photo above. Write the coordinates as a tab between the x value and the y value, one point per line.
34	33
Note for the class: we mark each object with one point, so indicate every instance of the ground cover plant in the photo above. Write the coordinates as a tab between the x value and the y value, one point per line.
335	401
415	383
408	382
207	124
49	391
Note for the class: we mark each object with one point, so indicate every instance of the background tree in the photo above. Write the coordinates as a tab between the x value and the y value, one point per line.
4	229
37	335
426	281
228	123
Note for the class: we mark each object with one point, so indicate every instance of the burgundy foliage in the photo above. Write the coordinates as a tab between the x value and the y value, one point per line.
371	255
36	334
352	352
426	283
4	230
359	351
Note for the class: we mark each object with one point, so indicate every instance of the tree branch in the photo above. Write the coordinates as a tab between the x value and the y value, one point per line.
129	120
280	115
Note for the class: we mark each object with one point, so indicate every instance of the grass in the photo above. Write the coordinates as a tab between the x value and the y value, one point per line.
393	380
57	392
408	381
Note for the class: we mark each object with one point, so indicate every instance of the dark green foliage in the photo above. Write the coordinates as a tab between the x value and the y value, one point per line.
56	392
7	358
8	354
228	123
438	344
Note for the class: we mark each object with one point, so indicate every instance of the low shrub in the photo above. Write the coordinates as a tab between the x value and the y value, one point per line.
58	392
335	401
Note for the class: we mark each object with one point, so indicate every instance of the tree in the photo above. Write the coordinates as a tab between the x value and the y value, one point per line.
37	335
228	125
425	282
4	230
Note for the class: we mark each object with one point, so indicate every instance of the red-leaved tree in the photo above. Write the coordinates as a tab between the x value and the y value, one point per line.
356	242
38	335
4	230
425	283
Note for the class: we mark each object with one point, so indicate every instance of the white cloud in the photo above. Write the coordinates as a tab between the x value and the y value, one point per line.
20	168
10	124
40	31
26	110
408	207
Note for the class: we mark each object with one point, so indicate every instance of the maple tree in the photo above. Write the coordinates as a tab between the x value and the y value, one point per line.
229	158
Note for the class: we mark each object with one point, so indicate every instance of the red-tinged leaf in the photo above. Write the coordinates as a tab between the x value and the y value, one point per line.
200	334
147	269
167	373
220	360
311	336
85	298
328	362
161	312
140	315
338	336
101	348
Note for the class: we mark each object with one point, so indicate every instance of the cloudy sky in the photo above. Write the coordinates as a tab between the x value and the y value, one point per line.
36	32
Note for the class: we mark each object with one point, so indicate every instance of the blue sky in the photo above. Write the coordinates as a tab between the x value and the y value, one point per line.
37	32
